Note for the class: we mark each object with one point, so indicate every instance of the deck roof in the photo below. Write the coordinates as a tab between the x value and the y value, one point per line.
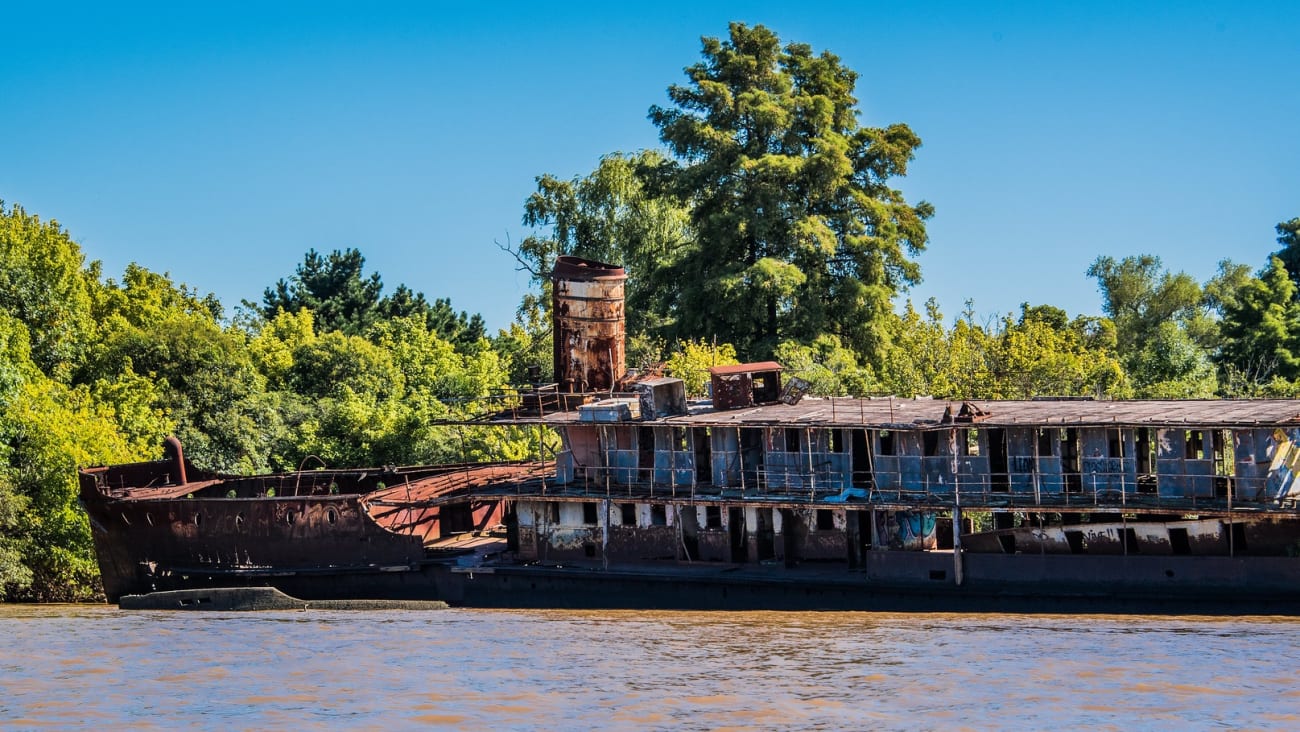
895	413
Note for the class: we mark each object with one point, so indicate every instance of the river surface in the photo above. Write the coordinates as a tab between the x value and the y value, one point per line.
83	666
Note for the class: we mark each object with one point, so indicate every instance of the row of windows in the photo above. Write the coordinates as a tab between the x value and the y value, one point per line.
825	518
933	443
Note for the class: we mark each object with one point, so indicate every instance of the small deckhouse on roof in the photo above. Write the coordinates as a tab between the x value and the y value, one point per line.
745	385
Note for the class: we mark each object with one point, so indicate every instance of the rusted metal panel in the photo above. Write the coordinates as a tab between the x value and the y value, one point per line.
745	385
745	368
661	397
588	318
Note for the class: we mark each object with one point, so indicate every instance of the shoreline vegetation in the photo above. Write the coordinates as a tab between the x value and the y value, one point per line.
765	227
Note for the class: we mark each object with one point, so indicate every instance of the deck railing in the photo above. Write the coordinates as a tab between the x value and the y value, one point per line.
1070	491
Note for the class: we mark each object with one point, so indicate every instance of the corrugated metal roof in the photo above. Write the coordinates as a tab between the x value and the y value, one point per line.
929	413
745	368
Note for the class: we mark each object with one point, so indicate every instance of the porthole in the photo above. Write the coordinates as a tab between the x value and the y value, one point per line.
126	520
198	519
331	516
148	519
290	517
239	520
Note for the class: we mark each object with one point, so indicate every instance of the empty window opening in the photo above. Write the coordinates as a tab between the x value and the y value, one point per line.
1145	449
589	514
679	439
1076	542
1178	542
713	517
1070	460
1045	443
792	439
837	441
589	550
553	513
1238	538
886	442
658	515
1008	542
1131	542
1114	444
1195	445
929	443
825	519
971	445
628	511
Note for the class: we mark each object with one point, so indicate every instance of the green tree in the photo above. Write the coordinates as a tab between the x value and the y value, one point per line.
1261	331
44	286
607	216
1288	235
1042	353
691	360
1162	323
829	368
797	232
333	287
343	298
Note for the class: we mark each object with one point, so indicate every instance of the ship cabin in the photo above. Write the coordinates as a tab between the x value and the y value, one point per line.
760	472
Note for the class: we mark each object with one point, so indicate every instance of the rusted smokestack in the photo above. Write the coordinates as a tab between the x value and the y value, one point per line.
172	451
587	313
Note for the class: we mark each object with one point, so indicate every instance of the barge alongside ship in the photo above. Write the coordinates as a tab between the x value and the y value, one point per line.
755	499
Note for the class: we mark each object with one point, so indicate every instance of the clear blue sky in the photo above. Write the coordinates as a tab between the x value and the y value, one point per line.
218	142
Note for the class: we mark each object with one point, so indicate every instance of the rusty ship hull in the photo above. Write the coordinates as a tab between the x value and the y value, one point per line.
510	535
757	498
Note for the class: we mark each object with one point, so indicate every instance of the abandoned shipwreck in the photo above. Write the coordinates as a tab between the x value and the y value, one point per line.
757	498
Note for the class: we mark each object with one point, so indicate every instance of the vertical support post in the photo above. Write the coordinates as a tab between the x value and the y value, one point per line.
604	538
1123	521
956	511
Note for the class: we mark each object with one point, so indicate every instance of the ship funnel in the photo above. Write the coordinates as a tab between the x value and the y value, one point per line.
587	312
172	451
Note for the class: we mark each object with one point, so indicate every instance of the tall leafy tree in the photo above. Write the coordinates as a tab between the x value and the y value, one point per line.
333	287
1288	235
44	285
1162	324
342	297
797	231
608	216
1261	330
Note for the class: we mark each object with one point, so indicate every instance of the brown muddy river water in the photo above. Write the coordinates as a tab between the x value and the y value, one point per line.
79	666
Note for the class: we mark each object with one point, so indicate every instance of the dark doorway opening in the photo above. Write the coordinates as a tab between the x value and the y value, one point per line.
1238	538
765	535
1075	540
736	527
861	448
645	454
703	455
751	456
1070	461
1178	541
999	482
794	530
690	528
